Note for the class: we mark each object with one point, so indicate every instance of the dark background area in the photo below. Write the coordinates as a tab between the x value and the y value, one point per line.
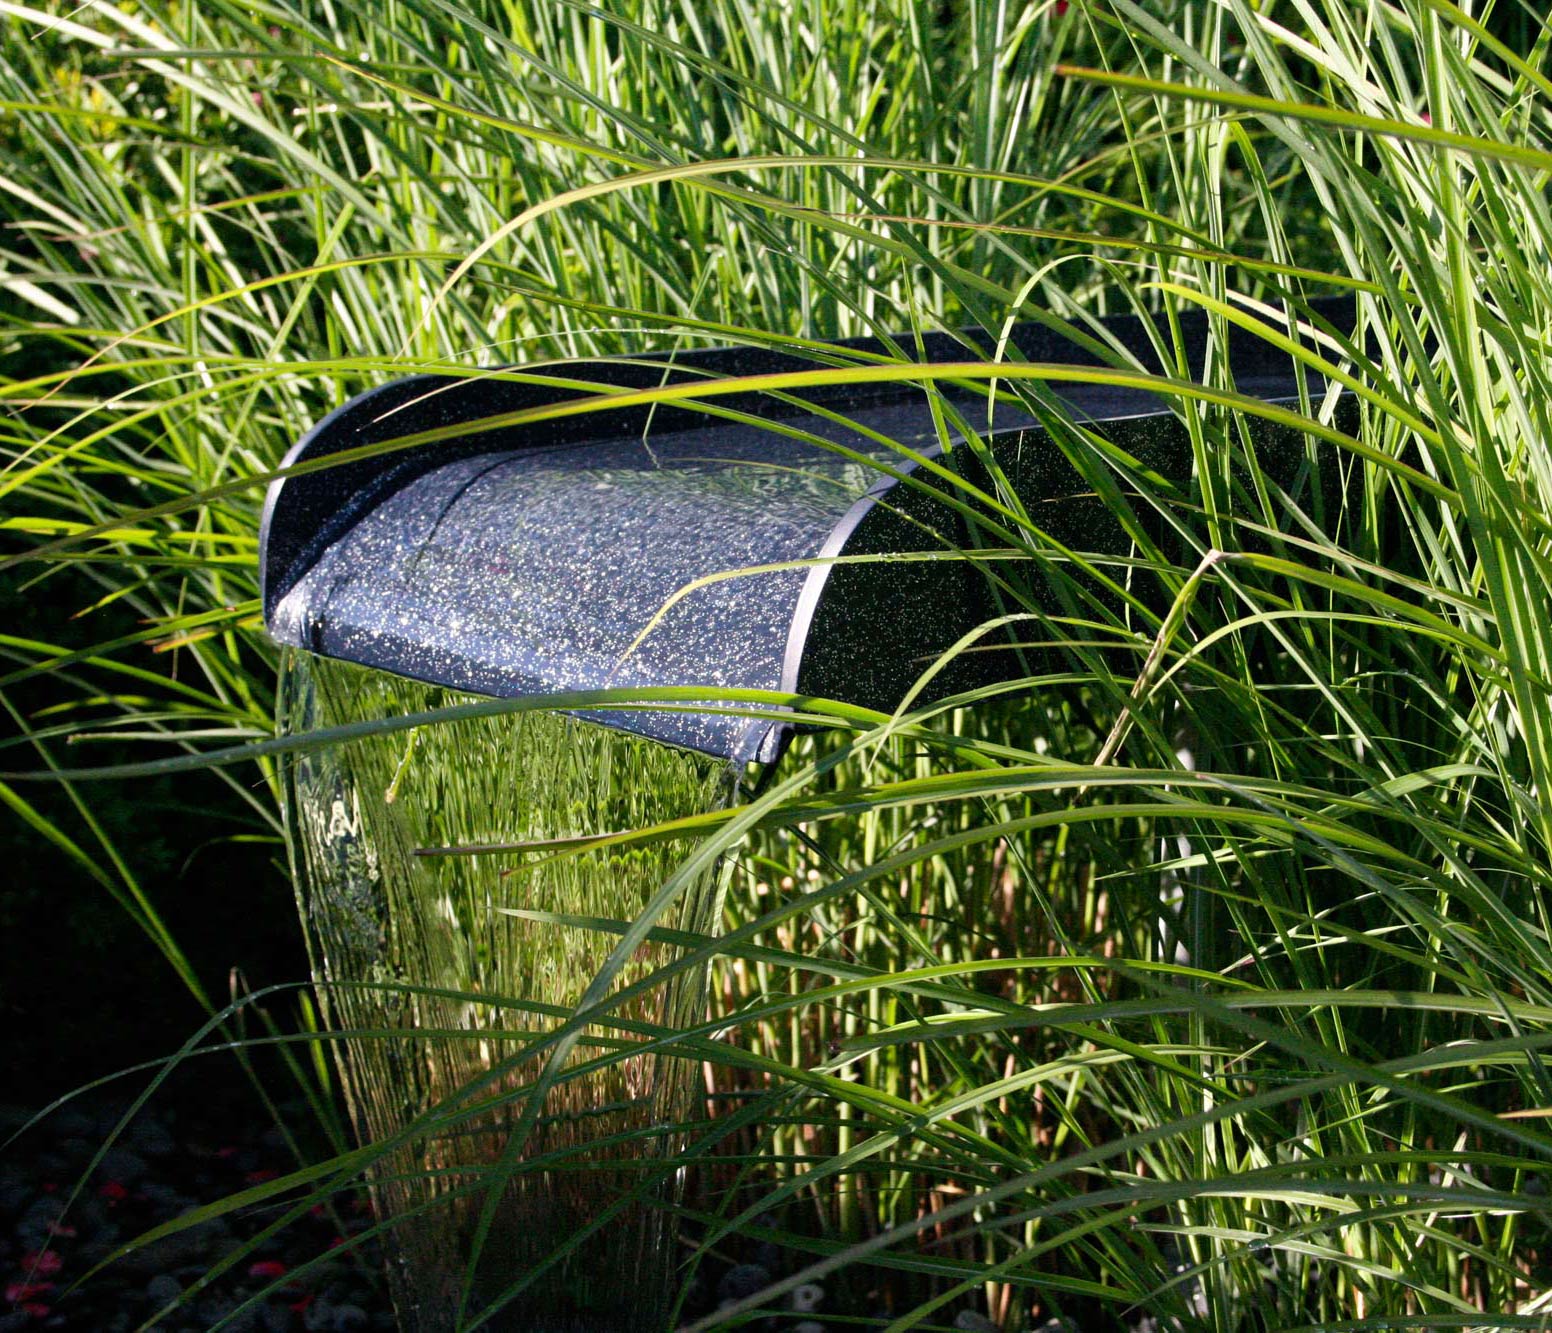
84	991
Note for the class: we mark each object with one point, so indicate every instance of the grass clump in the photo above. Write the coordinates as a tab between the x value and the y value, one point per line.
1212	988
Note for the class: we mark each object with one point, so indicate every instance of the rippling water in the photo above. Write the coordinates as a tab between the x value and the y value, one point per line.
437	987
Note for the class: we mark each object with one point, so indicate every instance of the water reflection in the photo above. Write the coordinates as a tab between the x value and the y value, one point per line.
379	919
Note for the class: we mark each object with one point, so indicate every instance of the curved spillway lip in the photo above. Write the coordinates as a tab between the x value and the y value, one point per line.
293	540
819	574
835	546
277	493
304	517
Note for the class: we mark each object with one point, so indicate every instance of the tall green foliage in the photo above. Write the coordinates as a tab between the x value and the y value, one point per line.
1229	946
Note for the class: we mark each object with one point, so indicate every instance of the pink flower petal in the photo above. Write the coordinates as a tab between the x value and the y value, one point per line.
267	1268
43	1262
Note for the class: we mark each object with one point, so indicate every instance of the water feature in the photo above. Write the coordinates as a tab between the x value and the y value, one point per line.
379	917
501	543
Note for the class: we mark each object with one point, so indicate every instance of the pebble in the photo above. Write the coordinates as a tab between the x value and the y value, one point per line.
245	1160
742	1281
72	1125
277	1319
108	1118
223	1310
350	1319
179	1248
89	1214
167	1197
807	1298
767	1253
51	1165
149	1137
163	1289
37	1224
973	1321
122	1165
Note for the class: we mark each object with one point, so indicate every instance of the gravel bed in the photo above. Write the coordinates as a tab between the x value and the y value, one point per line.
56	1224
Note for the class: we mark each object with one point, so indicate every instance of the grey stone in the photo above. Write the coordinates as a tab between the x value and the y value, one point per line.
350	1319
151	1138
50	1166
13	1196
108	1119
37	1224
128	1168
173	1251
742	1281
973	1321
72	1125
807	1298
277	1319
163	1289
166	1197
228	1312
89	1215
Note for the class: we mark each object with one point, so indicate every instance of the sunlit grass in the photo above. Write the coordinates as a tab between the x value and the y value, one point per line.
1224	946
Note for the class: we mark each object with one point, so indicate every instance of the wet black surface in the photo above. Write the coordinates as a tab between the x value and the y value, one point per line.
602	550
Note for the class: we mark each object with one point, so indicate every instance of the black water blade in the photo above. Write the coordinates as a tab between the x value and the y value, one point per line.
506	559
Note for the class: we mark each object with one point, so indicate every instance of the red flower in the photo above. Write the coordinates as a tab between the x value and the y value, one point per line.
43	1262
114	1191
19	1292
267	1268
37	1309
1061	8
